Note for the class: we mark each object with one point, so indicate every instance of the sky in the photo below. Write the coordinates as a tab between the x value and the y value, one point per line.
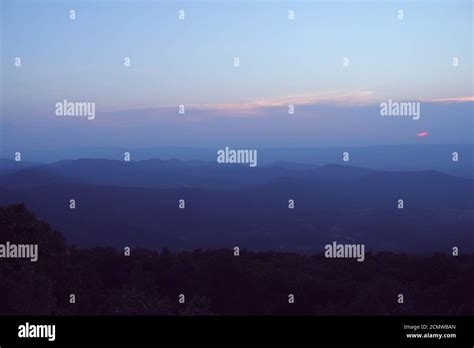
190	62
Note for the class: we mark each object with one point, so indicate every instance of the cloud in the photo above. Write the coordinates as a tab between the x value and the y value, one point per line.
422	134
452	100
258	106
261	107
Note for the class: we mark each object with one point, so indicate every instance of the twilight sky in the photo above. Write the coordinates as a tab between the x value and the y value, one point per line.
190	62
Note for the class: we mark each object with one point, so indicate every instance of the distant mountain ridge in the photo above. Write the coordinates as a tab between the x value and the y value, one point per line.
156	173
136	203
405	157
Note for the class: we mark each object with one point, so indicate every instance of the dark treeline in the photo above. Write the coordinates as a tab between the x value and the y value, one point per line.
214	282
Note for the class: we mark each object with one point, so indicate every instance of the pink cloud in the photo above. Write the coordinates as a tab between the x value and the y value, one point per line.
260	106
256	107
453	100
422	134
